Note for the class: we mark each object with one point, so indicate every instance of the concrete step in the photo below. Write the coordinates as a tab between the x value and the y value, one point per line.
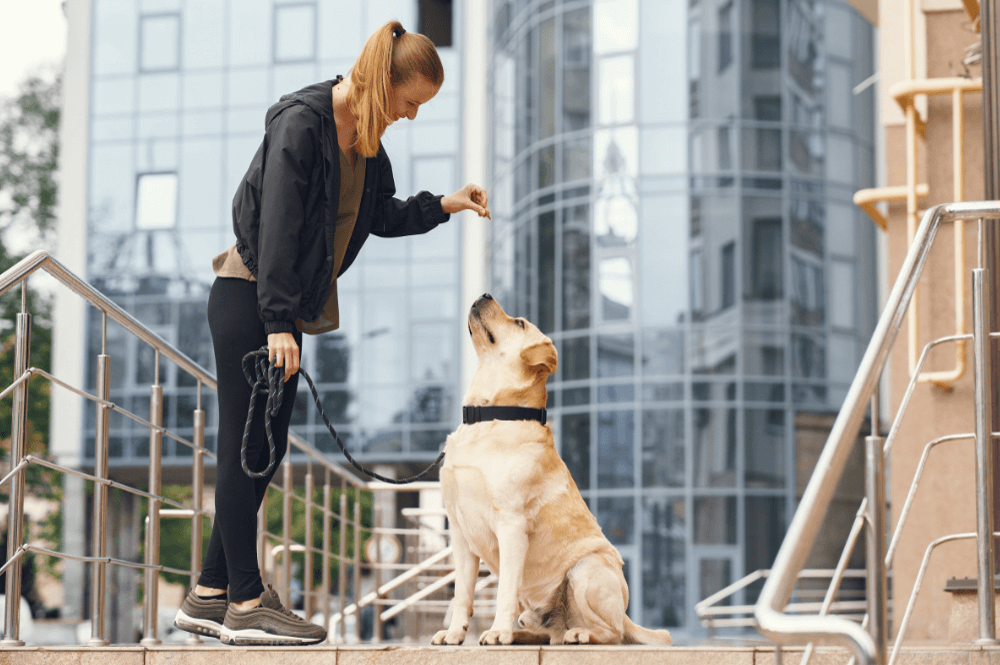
474	655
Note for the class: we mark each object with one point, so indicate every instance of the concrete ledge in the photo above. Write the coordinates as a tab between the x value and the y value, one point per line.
958	654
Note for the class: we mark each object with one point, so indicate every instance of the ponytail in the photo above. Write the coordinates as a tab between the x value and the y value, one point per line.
390	58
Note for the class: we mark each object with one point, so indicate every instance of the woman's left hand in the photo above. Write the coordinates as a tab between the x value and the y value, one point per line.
471	197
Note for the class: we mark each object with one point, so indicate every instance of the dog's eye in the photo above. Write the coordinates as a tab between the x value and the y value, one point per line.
519	322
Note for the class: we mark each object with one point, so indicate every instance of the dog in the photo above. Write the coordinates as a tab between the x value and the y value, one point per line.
512	504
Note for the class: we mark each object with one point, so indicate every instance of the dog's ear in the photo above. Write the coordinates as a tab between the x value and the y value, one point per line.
541	354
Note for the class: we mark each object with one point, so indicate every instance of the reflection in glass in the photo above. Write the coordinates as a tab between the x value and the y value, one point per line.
160	42
765	529
765	278
714	575
616	93
765	38
616	289
616	515
430	440
615	393
663	448
808	291
616	25
432	355
764	392
576	160
662	352
765	448
574	359
615	355
715	520
546	272
336	404
576	70
714	434
764	353
429	404
576	267
547	79
662	392
615	458
808	356
574	442
664	571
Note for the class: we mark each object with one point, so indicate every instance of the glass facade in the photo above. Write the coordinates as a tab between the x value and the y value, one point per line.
179	91
672	185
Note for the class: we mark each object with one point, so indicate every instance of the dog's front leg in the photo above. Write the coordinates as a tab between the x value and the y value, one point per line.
466	573
512	541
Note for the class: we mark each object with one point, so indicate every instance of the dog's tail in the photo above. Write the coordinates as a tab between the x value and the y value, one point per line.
635	634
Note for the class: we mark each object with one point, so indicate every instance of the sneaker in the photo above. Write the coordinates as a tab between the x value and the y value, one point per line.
202	617
269	624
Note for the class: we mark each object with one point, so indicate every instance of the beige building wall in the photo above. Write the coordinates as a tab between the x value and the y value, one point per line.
944	503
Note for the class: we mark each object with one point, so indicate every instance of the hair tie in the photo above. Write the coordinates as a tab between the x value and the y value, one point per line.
398	32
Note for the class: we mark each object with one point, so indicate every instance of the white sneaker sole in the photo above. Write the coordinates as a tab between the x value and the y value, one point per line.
255	637
199	626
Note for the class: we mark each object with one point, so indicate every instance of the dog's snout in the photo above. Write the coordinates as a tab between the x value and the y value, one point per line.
482	300
486	296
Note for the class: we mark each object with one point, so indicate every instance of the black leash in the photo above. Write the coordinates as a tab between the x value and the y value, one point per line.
269	379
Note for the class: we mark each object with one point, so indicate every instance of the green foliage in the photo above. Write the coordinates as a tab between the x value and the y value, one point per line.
29	155
175	533
275	511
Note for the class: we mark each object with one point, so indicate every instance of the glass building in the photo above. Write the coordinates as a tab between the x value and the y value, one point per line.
672	184
179	92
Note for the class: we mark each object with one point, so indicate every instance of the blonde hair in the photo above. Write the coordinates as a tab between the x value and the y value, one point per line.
387	61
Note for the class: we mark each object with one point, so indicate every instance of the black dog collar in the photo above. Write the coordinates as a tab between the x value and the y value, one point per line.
478	414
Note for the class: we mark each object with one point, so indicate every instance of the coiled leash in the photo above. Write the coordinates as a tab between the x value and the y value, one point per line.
266	378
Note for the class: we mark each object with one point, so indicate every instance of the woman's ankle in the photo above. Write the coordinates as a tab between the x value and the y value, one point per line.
245	605
200	590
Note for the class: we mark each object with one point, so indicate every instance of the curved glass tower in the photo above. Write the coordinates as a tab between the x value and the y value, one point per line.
672	184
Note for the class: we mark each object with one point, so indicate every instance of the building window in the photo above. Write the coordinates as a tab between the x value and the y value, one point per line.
156	201
725	36
435	21
766	257
728	275
159	42
765	42
295	32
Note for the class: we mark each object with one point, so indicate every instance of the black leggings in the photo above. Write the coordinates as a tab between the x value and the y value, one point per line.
231	558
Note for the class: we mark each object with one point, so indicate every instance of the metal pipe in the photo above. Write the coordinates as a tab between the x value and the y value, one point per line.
198	490
806	522
875	542
342	563
357	556
307	567
261	538
18	443
150	598
286	532
325	575
100	521
984	456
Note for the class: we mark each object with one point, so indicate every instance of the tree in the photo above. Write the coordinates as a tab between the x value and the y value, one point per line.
29	152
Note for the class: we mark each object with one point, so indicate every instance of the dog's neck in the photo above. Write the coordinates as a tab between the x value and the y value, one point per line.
486	390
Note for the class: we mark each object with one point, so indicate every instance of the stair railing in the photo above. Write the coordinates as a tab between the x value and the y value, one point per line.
869	646
350	523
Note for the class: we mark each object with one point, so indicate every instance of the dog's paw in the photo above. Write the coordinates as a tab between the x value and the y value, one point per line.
497	637
577	636
452	637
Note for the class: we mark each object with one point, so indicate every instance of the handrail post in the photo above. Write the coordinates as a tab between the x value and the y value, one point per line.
286	532
100	528
984	457
357	561
197	500
150	599
262	539
307	564
15	532
326	554
342	565
875	541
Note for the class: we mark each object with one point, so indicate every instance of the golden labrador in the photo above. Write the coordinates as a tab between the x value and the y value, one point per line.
512	503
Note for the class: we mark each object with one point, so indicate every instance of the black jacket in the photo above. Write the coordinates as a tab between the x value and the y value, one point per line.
285	209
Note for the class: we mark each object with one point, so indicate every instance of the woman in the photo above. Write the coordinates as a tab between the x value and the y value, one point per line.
318	185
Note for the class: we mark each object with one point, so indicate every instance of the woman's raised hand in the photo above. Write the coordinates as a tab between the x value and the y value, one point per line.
282	351
471	197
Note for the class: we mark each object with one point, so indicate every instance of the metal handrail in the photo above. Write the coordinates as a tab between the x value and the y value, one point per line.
772	621
42	261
